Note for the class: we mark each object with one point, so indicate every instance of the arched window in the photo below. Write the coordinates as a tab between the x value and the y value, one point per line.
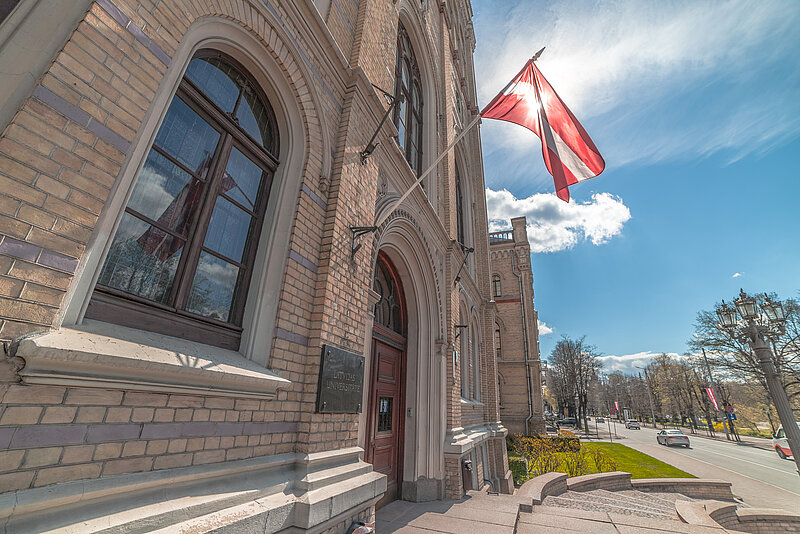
460	209
182	256
496	287
408	90
465	358
476	364
498	348
389	308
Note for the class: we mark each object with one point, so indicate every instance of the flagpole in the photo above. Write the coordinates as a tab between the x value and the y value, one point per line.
422	176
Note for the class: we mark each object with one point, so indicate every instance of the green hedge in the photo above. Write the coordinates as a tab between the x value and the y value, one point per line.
519	469
519	445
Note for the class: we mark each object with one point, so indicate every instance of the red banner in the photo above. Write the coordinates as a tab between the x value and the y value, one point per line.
710	393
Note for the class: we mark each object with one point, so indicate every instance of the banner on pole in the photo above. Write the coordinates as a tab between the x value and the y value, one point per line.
710	393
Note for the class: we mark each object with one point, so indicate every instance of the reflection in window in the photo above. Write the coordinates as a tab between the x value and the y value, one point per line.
408	90
459	209
186	238
388	309
385	414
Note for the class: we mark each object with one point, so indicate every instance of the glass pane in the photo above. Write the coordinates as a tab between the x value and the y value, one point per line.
142	260
412	156
387	310
401	124
216	79
242	180
255	119
227	232
415	100
404	74
187	138
166	193
385	414
213	288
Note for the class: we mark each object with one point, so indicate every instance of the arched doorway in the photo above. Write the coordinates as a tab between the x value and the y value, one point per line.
385	422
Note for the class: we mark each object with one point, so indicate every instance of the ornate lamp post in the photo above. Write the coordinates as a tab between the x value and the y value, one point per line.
745	322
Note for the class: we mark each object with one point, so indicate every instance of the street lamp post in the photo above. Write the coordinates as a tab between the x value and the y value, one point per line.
750	325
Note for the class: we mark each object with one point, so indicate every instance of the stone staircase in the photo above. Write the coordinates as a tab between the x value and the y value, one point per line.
629	502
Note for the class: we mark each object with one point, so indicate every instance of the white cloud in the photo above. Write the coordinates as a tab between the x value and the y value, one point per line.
736	275
543	328
554	225
628	363
645	66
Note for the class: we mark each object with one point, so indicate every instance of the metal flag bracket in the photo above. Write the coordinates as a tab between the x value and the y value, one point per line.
372	145
359	231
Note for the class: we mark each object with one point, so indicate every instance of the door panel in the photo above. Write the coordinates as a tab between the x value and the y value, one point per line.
385	432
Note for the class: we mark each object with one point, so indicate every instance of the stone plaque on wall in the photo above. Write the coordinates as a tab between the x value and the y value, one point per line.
341	381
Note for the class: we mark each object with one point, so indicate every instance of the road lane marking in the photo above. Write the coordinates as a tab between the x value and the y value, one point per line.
731	471
743	460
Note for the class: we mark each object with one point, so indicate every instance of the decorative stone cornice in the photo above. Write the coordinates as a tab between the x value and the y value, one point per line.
113	357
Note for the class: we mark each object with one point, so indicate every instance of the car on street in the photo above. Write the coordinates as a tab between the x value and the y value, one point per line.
567	421
599	420
781	444
672	437
632	424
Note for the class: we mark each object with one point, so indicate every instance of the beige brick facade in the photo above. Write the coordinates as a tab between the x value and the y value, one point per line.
120	410
516	331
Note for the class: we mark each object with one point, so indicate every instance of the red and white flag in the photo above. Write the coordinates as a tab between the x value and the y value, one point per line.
710	393
530	101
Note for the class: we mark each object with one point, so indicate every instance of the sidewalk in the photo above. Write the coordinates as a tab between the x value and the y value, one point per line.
481	513
746	441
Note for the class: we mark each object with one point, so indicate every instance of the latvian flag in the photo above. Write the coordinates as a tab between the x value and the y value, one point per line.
569	153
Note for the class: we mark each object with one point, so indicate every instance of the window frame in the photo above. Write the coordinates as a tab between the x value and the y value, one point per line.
117	306
497	286
413	107
461	228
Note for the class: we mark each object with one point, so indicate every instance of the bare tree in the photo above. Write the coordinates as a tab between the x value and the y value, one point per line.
575	364
732	358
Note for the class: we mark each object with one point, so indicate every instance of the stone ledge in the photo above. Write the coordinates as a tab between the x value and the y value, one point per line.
615	480
236	492
696	488
768	515
108	356
729	516
697	513
460	440
540	487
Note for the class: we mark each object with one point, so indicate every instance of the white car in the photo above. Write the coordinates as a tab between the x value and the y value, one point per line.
781	444
632	423
672	437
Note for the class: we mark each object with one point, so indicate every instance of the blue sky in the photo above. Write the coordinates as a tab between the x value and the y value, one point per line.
695	107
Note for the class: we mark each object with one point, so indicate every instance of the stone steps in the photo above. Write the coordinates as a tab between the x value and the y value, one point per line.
605	501
639	499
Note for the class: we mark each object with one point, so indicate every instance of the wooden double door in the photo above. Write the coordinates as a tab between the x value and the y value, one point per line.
385	420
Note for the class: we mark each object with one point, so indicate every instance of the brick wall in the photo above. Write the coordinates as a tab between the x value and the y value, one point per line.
511	365
50	434
63	158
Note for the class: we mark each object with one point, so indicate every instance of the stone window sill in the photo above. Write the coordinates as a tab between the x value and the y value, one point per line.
103	355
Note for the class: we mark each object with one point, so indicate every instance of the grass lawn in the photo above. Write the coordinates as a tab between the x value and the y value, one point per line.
638	464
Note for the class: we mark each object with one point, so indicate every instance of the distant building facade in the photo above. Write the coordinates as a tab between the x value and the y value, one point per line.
516	331
179	185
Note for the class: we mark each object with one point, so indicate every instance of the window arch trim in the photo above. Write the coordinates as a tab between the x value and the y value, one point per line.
174	317
409	112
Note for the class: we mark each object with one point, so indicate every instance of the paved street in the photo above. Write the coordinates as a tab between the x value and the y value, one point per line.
759	477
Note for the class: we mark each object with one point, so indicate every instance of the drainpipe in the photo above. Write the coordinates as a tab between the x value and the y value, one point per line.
525	341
